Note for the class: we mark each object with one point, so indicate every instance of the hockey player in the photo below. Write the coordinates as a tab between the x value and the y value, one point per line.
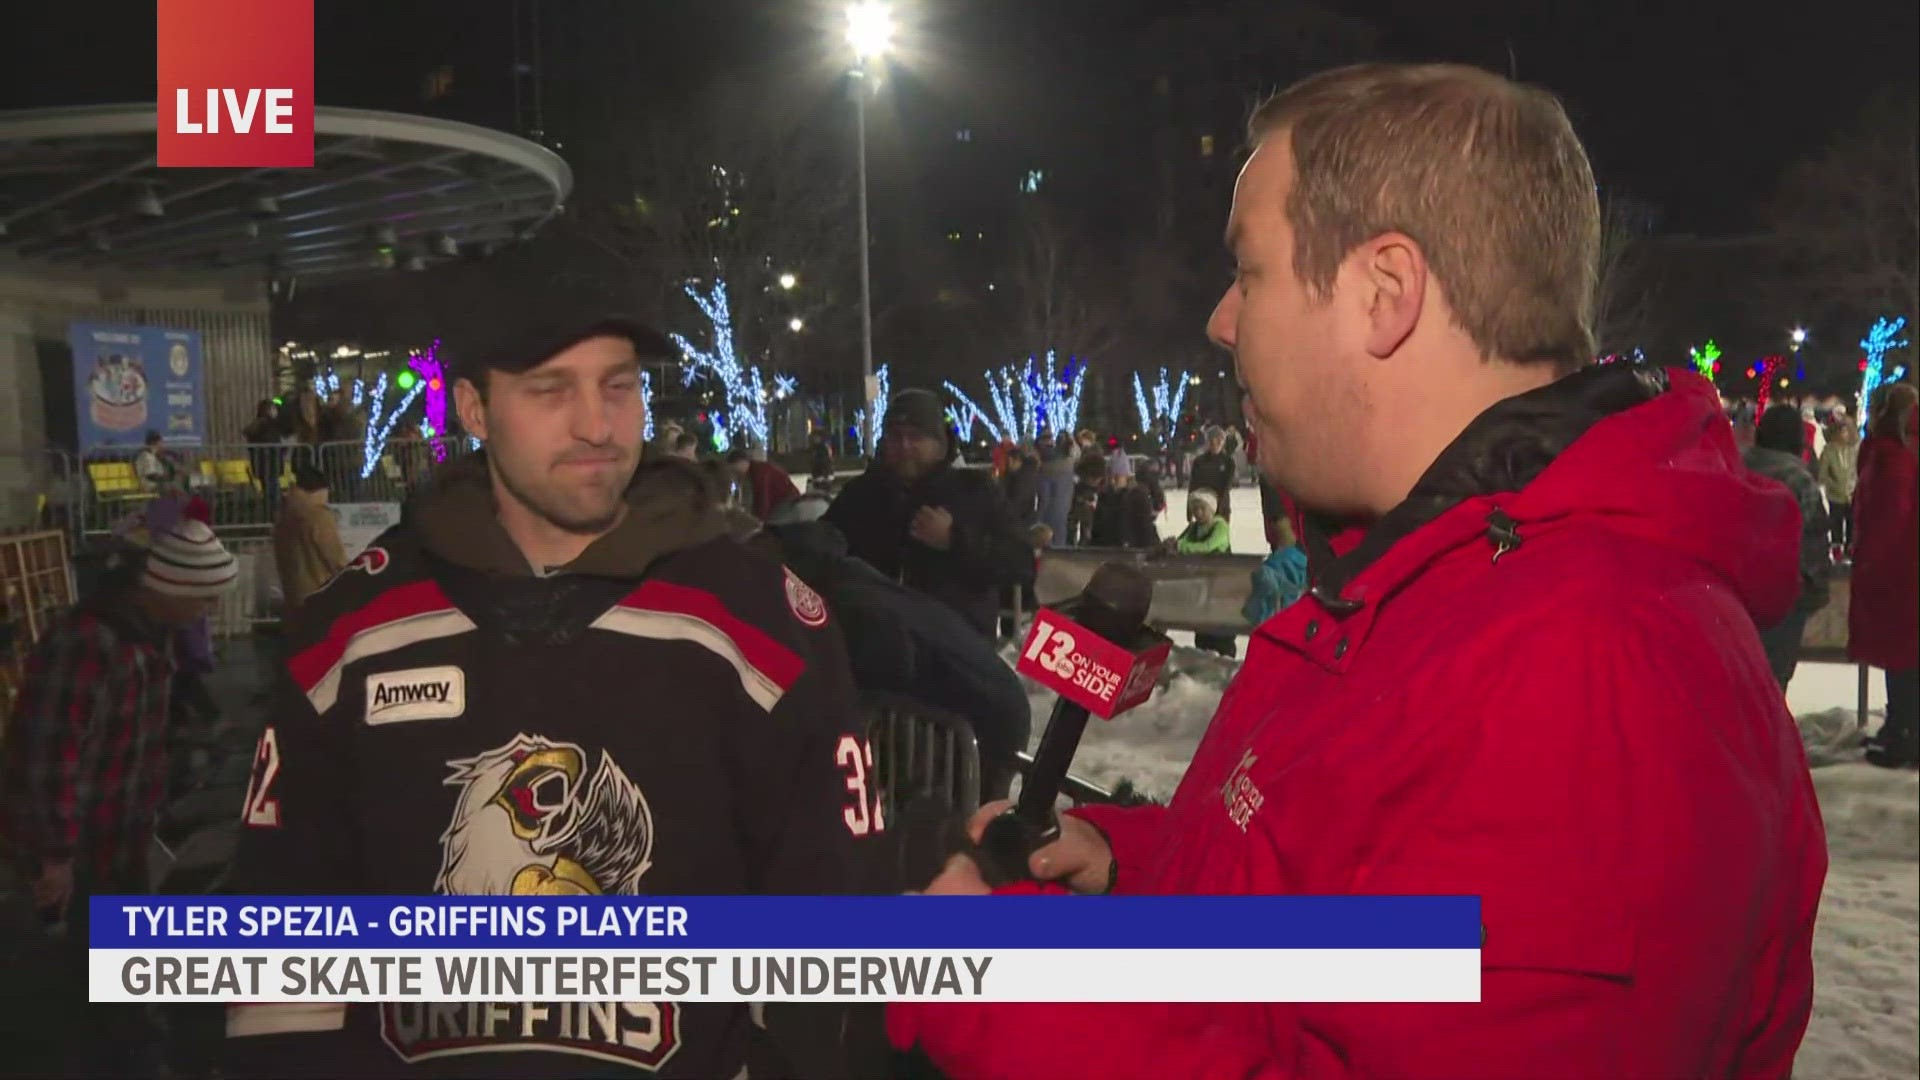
557	676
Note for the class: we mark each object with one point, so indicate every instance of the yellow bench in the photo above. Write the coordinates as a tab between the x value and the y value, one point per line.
114	481
230	473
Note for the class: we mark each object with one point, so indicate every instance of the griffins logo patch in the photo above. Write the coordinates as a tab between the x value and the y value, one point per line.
806	604
540	818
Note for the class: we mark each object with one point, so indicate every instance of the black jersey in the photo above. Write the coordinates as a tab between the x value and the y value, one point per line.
671	714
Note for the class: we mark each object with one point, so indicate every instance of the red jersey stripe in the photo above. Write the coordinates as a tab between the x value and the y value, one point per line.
774	661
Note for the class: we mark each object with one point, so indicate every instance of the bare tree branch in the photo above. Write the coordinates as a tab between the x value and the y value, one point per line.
1060	299
1849	219
1623	299
741	184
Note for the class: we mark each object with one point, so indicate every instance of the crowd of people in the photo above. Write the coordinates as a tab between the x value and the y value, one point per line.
1845	490
1538	660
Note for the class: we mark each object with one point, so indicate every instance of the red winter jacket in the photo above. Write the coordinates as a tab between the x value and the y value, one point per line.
1582	731
1883	616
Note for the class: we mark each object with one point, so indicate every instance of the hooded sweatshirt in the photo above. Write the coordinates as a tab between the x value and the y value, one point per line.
667	714
1537	682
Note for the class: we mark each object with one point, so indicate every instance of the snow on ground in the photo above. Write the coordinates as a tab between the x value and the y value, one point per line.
1866	1014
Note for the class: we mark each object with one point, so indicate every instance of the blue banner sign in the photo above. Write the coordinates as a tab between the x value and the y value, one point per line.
129	380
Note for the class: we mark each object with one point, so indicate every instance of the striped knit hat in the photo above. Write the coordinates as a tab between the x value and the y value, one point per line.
187	560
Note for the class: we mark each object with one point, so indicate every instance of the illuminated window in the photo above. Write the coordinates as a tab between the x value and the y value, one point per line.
1206	146
963	135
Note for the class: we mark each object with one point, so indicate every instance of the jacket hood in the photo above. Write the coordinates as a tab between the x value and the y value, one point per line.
1639	452
669	507
1668	472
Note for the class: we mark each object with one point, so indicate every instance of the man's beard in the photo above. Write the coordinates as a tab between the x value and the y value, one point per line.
554	509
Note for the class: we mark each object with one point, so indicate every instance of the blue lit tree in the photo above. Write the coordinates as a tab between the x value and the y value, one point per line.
878	406
381	421
1160	415
737	200
1028	401
1882	339
746	391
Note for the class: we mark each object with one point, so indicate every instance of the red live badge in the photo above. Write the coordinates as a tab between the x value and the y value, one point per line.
236	84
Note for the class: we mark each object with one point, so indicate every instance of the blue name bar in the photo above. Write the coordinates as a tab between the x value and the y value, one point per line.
704	923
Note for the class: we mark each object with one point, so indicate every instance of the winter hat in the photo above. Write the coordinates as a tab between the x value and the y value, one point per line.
921	411
1205	498
1119	463
187	560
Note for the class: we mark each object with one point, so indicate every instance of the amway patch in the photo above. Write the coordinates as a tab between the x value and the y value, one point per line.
431	693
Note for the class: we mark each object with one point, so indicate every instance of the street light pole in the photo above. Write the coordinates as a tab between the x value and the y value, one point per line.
867	434
870	33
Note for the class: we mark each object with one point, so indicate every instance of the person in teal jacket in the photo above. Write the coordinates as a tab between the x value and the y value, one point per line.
1280	580
1207	533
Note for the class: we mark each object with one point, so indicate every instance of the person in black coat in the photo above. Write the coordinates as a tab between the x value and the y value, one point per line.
901	641
1213	471
937	529
1021	486
1123	517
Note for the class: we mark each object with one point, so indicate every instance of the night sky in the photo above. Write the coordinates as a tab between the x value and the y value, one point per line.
1694	106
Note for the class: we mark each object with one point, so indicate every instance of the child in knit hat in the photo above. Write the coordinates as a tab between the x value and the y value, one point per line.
85	759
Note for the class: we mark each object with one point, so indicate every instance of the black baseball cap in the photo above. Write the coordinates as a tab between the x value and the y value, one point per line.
525	346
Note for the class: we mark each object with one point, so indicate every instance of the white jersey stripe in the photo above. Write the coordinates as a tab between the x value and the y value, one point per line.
676	626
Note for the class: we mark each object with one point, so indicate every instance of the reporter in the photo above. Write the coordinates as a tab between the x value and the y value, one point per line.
1526	670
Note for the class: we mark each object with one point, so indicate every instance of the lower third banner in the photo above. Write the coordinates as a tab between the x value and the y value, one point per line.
760	949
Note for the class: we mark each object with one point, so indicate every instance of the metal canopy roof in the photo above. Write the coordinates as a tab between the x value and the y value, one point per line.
79	189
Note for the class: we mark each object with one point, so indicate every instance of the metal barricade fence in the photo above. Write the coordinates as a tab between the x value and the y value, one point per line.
404	465
40	489
920	751
241	484
255	598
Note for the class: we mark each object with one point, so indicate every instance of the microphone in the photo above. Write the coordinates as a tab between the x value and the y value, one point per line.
1097	653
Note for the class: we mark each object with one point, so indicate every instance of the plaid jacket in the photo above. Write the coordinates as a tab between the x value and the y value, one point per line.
86	752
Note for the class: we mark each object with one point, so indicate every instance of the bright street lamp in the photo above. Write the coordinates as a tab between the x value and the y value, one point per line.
1799	336
796	324
869	32
788	281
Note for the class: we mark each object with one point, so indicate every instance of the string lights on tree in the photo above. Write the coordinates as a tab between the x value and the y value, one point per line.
646	405
432	378
1162	416
380	422
1706	359
1882	339
870	442
1765	369
1028	401
745	418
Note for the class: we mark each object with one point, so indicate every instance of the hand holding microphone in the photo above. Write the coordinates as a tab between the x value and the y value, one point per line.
1078	858
1096	652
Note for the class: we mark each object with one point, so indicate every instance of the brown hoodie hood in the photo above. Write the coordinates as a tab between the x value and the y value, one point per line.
669	508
